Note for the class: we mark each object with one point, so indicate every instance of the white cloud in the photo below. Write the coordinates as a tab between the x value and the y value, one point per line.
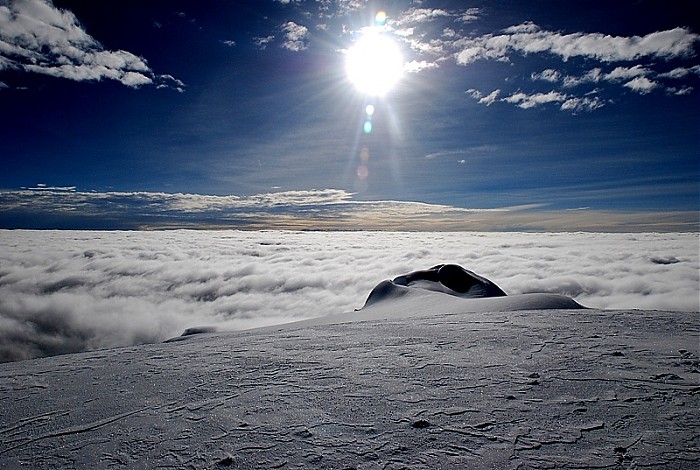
490	98
586	103
296	36
548	75
525	101
449	33
414	16
305	197
523	28
592	76
641	85
135	79
65	291
433	47
679	91
624	73
261	42
474	93
168	81
679	72
46	187
37	37
637	77
416	66
528	38
339	8
469	15
5	63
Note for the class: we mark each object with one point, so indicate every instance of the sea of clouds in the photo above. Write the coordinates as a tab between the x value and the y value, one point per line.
70	291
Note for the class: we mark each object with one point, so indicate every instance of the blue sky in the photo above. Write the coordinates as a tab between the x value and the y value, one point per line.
507	114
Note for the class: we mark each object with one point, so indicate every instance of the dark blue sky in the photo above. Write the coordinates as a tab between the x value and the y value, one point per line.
549	105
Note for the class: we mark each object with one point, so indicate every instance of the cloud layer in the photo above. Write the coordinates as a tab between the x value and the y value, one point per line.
71	291
319	209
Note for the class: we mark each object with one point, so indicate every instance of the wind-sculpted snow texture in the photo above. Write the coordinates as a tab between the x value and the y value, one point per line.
71	291
433	389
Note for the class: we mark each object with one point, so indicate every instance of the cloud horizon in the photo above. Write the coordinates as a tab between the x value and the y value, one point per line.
47	207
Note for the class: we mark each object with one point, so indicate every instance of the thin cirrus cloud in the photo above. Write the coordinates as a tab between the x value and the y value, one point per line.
37	37
70	291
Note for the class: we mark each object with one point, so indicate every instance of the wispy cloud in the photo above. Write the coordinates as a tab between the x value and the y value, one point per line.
261	42
469	15
548	75
487	99
526	101
528	38
681	72
414	16
523	100
638	78
415	66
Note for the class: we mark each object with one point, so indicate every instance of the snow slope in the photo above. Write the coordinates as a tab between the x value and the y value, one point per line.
416	379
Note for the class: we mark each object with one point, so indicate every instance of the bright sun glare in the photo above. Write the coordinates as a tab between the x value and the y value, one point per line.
374	63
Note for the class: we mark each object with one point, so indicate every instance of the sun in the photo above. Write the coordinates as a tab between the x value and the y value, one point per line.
374	63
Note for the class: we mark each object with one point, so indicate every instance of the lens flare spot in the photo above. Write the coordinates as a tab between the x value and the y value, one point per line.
364	154
380	18
367	127
369	109
362	172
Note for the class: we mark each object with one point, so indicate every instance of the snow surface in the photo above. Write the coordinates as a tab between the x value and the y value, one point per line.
420	379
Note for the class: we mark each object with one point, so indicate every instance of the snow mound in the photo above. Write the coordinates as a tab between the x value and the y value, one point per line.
446	278
466	291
